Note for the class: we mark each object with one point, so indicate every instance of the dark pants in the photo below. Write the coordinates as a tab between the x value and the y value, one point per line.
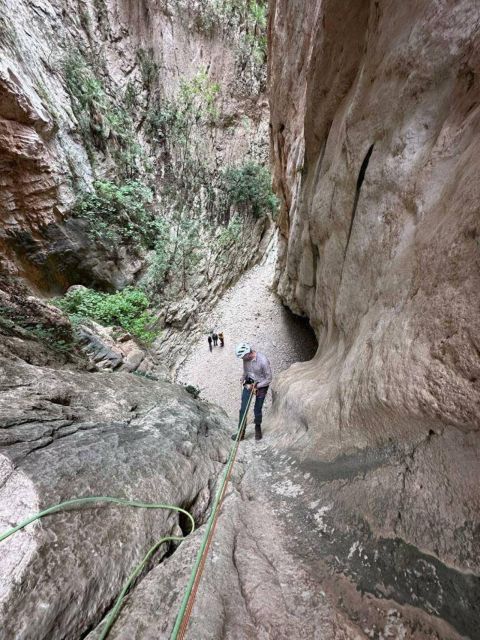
257	409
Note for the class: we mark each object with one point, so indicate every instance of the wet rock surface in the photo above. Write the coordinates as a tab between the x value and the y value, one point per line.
291	558
255	585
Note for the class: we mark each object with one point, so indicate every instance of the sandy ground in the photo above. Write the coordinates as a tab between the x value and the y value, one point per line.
248	312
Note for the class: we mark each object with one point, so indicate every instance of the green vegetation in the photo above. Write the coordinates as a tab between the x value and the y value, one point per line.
127	309
148	67
249	17
143	374
104	123
193	196
193	106
179	127
177	252
193	390
118	212
230	233
248	187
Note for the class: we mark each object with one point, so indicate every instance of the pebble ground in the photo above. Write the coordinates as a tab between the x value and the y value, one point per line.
249	312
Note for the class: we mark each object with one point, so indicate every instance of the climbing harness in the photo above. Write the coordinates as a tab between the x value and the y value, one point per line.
185	611
186	607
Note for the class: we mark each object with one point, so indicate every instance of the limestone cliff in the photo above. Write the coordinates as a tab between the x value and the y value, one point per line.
375	141
89	90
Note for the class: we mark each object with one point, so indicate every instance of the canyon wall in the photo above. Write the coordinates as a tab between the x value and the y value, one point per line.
375	142
84	89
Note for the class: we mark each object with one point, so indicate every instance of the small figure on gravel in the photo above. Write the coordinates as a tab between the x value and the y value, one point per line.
220	337
209	342
215	339
257	374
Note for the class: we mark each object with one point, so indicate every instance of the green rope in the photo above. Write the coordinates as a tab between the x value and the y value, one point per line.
138	569
193	574
144	505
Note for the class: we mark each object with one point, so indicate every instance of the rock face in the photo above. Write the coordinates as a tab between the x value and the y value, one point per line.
256	584
276	568
375	123
70	434
51	149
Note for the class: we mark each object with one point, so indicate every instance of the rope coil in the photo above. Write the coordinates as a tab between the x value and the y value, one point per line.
138	569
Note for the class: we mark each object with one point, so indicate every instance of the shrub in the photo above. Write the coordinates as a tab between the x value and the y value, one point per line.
249	187
58	338
114	211
160	259
127	309
230	234
148	67
105	122
194	105
82	83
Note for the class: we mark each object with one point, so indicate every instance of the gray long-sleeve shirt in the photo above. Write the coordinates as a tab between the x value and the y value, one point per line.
259	369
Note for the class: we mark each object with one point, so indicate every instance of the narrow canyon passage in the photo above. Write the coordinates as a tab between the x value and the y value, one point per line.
251	312
324	157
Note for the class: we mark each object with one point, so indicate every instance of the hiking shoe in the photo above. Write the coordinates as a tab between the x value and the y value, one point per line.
258	432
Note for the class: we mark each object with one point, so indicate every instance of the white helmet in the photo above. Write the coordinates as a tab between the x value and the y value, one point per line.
242	349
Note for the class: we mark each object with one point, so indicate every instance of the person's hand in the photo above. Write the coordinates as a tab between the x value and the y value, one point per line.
242	380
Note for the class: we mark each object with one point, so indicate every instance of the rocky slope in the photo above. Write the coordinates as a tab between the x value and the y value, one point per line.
375	124
358	515
67	433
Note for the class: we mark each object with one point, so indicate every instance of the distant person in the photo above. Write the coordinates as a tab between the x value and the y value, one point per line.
215	339
220	337
257	374
209	342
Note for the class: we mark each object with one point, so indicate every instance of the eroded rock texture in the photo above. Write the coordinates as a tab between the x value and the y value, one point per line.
70	434
50	151
375	138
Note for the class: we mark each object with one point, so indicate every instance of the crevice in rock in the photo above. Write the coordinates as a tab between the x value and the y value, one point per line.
318	168
165	551
360	179
237	571
184	522
63	400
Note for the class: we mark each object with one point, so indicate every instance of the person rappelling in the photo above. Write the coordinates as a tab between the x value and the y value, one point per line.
257	376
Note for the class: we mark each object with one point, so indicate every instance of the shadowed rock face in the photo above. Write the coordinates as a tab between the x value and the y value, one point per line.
375	140
45	158
69	434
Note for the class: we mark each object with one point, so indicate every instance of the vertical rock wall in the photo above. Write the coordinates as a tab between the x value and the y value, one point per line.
375	140
45	156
